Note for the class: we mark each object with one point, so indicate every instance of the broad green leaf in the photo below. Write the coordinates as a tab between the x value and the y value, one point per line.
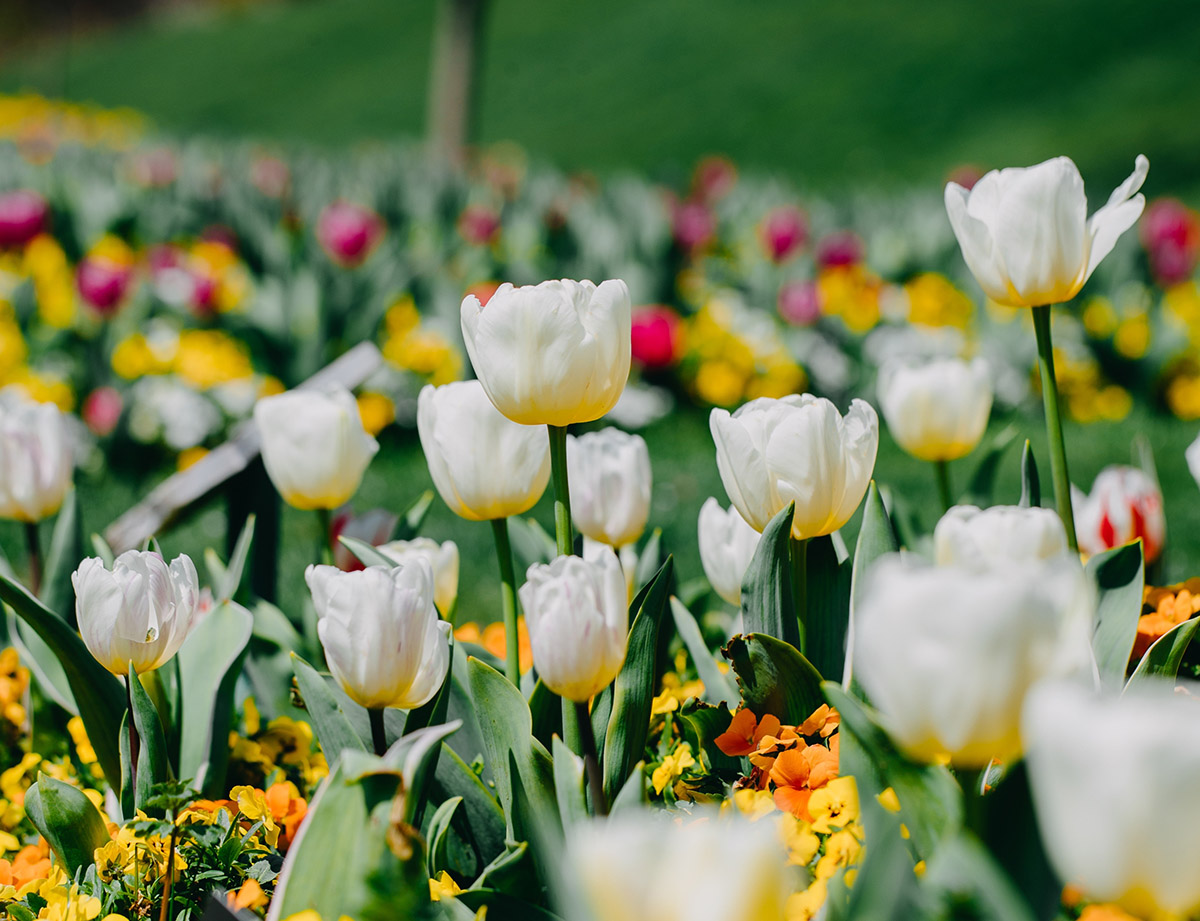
963	872
649	561
569	783
768	605
876	538
1163	658
828	601
702	723
481	820
333	730
633	796
367	554
530	543
510	872
65	553
153	766
1118	576
774	678
546	709
415	755
411	519
983	480
717	686
42	663
268	664
438	835
228	587
1031	487
68	821
1014	841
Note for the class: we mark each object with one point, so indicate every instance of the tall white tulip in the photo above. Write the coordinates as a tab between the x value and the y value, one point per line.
1125	504
610	482
36	460
141	611
314	446
799	448
442	559
554	353
997	536
1113	780
1025	233
578	617
727	546
383	640
484	465
936	411
948	653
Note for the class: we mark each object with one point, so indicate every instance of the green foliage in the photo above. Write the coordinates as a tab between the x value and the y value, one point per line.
66	818
717	686
774	678
333	730
1118	577
153	765
768	606
1163	658
829	583
1031	488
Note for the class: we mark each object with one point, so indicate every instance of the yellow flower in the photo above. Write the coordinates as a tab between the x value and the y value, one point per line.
720	383
802	843
834	805
83	746
889	800
252	804
1099	318
112	859
804	906
933	300
208	357
376	410
754	804
1132	338
672	766
663	703
841	850
443	887
189	457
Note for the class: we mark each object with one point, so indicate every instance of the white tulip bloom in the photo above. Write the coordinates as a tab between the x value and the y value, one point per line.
1112	780
727	545
1025	234
610	479
383	640
799	448
314	446
442	559
937	411
36	460
996	536
484	465
554	353
578	618
141	611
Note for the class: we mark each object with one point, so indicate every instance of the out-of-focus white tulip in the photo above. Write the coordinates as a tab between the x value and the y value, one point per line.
314	446
1192	454
948	653
1113	782
484	465
1125	504
578	618
1025	234
141	611
997	536
383	639
554	353
622	869
442	559
727	546
936	411
799	448
36	460
610	479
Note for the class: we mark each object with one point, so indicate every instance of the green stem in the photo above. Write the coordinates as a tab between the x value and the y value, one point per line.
1058	448
134	741
378	731
591	760
572	730
974	812
508	601
800	585
942	469
325	526
35	557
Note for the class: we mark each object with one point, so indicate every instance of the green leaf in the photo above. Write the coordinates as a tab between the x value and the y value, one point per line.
103	550
876	538
983	480
333	730
774	678
68	821
963	872
828	601
768	606
501	906
415	755
152	763
237	562
438	834
1118	576
568	784
66	551
1031	488
632	797
97	692
210	662
411	519
482	817
717	686
1013	839
510	872
546	709
1163	658
889	891
366	553
633	689
530	542
43	664
650	561
702	723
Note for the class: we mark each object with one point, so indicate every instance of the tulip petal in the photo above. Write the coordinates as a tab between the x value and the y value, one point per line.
1119	213
975	241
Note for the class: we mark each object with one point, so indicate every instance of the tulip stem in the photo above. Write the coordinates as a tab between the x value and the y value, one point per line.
378	730
134	741
1054	433
591	760
508	601
942	469
34	548
562	491
325	529
800	585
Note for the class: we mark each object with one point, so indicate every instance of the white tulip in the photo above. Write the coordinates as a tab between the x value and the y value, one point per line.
727	546
1113	781
936	411
799	448
442	559
578	618
1002	534
609	476
1192	455
140	612
484	465
1025	234
36	460
314	446
1125	504
628	868
554	353
948	653
383	640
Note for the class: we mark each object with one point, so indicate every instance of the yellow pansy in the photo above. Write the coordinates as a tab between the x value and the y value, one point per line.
834	805
841	850
802	843
252	804
443	887
672	766
804	906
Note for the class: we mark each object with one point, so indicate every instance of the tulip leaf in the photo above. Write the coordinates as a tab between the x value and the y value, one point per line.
530	543
717	686
568	784
510	872
68	820
1012	837
876	538
962	873
702	723
983	481
1163	658
367	554
633	689
411	519
228	587
1118	576
210	662
482	819
66	550
43	664
632	797
153	767
103	550
649	561
415	755
98	694
438	835
768	606
1031	488
268	665
546	708
774	678
827	598
334	731
891	892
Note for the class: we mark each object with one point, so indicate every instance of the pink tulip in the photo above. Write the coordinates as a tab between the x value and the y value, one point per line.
799	303
374	527
695	225
23	216
784	231
478	224
102	282
839	249
713	178
102	410
655	334
1170	232
348	232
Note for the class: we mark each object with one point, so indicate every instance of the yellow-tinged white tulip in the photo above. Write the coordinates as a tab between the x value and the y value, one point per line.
727	546
140	611
36	460
799	448
1025	234
383	640
610	481
314	446
442	559
484	465
1113	780
948	653
578	618
997	536
939	410
554	353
